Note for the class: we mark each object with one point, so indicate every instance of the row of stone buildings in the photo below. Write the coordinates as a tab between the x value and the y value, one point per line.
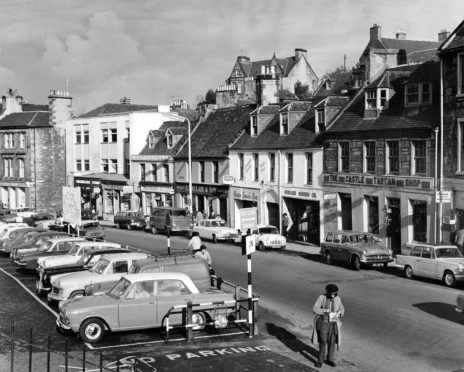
377	148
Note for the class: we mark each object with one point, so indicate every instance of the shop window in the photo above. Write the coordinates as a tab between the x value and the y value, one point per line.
202	171
373	214
344	157
369	157
142	172
419	153
393	157
419	220
460	145
272	166
215	172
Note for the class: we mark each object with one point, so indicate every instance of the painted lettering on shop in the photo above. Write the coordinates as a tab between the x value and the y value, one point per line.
217	352
384	181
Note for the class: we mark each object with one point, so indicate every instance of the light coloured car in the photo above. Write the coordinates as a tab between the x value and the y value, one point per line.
140	301
355	248
216	229
442	262
108	267
268	237
80	248
7	229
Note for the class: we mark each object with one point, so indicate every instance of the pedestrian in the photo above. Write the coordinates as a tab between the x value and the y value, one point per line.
459	240
203	253
212	214
195	242
199	217
285	224
326	332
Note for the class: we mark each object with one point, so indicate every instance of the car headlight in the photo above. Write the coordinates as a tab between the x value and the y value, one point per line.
461	267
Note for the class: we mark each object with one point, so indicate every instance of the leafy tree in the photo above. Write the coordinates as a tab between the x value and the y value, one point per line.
301	90
210	97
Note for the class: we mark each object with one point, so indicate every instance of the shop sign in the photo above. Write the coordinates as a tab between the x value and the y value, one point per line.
72	204
330	196
114	187
202	190
158	189
227	179
407	182
246	194
248	218
444	196
301	194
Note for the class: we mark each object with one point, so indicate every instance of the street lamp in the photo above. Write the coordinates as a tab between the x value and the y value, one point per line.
189	159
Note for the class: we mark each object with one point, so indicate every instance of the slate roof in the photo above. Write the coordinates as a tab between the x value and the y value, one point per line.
211	138
340	81
161	148
117	108
29	119
394	117
253	68
33	107
454	41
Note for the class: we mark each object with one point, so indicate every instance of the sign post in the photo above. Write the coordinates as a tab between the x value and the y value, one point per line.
249	247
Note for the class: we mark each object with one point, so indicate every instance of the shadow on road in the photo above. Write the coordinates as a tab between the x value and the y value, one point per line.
441	310
292	342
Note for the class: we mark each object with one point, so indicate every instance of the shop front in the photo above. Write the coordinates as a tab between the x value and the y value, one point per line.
244	198
303	208
91	193
205	198
154	195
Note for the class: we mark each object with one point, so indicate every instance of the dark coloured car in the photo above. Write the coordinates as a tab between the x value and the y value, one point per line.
35	243
46	274
129	220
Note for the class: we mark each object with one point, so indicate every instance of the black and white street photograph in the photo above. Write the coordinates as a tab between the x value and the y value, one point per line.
232	186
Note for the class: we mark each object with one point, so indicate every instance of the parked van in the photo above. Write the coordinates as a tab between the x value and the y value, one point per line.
169	220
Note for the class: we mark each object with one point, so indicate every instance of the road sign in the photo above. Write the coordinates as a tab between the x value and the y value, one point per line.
250	245
443	196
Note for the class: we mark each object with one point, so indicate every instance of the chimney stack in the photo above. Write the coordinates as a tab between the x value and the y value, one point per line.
443	35
401	35
299	52
376	32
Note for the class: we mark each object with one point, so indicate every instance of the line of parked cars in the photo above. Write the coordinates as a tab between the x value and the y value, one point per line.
101	286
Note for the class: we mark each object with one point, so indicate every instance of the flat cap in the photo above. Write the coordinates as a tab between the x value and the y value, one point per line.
331	288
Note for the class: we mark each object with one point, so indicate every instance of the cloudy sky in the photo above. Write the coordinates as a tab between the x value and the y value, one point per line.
156	50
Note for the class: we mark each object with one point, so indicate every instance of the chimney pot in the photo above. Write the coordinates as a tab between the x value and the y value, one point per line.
401	35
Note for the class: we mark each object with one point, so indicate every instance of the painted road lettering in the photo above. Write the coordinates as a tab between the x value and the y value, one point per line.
217	352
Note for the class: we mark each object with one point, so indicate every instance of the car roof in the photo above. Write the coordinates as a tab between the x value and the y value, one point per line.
154	276
108	251
108	244
259	226
169	260
66	239
124	255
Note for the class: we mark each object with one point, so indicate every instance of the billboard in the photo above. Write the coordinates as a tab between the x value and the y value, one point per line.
72	205
248	218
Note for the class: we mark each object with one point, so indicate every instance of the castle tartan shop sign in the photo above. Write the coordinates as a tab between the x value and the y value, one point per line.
381	181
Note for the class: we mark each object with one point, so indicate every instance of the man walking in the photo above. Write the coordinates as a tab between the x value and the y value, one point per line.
285	224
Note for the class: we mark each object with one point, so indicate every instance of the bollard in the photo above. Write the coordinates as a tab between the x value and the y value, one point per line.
237	304
66	356
83	358
189	322
101	361
168	234
117	362
255	317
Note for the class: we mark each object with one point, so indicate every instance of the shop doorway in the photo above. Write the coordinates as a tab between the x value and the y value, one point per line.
273	214
419	220
393	222
345	201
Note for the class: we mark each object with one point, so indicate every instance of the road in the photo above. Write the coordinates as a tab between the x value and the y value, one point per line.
391	323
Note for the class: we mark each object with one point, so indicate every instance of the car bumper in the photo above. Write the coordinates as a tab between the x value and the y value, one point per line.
459	277
60	324
376	259
20	263
39	287
53	297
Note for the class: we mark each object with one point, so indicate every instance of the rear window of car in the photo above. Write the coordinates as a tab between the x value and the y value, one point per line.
416	252
329	237
337	238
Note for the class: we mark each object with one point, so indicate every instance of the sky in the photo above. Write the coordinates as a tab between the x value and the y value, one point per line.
153	51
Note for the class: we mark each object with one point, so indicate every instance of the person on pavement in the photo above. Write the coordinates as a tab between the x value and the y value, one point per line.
195	242
203	253
459	240
285	224
326	332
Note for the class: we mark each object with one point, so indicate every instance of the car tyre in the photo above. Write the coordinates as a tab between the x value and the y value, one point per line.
356	263
118	226
198	321
261	246
92	330
129	227
408	272
214	239
449	279
327	257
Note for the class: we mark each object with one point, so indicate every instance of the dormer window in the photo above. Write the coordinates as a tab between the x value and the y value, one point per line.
169	140
376	99
418	94
321	117
151	142
284	124
254	126
328	85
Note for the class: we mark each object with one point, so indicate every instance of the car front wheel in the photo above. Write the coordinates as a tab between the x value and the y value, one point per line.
261	246
198	321
92	330
449	279
408	272
129	227
356	263
118	226
153	230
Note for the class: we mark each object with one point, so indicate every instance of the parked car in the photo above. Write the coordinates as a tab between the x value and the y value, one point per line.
51	247
90	229
169	220
129	220
355	248
139	301
8	229
108	267
35	243
216	229
47	274
196	268
268	237
78	250
18	236
442	262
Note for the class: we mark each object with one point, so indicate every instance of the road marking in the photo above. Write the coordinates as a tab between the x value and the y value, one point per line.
31	293
158	342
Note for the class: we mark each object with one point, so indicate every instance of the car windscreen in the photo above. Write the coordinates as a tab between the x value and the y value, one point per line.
83	259
448	252
119	288
100	266
93	225
218	223
74	250
268	230
45	246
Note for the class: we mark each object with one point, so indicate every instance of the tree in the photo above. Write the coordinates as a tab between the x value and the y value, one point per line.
210	97
301	90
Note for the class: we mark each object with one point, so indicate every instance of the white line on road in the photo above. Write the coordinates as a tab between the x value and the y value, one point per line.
31	293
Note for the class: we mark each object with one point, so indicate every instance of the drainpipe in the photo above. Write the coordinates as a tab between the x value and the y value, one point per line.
436	185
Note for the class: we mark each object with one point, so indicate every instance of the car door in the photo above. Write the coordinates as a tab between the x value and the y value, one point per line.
138	309
415	258
426	266
169	293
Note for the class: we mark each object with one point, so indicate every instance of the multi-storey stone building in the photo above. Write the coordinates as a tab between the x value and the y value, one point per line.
32	151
